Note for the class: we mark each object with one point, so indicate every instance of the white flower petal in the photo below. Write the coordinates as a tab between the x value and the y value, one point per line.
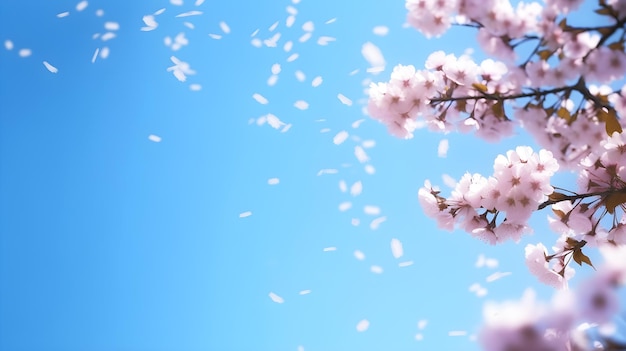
276	298
396	248
50	67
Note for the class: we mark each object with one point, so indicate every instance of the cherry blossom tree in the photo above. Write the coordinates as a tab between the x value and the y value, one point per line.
564	84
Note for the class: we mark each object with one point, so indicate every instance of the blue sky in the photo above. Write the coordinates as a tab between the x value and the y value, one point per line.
111	241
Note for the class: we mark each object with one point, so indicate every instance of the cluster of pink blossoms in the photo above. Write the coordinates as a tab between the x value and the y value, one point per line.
497	208
444	92
562	324
578	125
579	219
601	193
548	90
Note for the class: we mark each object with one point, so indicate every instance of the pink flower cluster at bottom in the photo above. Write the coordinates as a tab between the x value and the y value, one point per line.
530	325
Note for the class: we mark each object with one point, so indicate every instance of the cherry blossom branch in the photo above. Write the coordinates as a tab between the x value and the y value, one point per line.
493	97
563	197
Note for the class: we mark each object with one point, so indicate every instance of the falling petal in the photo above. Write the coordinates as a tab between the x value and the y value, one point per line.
274	121
343	186
104	52
355	222
50	67
373	55
300	76
292	10
271	81
376	269
276	298
111	26
359	255
155	138
301	105
304	292
377	222
356	188
448	180
396	248
422	324
276	68
457	333
292	58
327	171
63	14
107	36
324	40
327	249
81	5
381	30
195	87
357	123
344	206
225	28
95	55
259	98
8	45
344	100
363	325
368	144
316	82
371	210
245	214
497	275
273	181
405	264
340	137
442	149
369	169
25	52
188	14
360	154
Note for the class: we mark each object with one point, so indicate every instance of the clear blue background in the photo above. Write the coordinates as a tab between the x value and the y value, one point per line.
109	241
